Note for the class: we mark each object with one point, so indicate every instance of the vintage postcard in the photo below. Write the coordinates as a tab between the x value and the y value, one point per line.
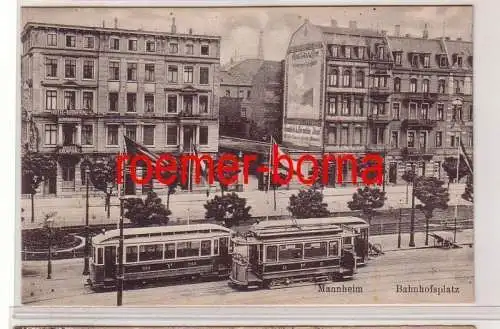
262	327
246	155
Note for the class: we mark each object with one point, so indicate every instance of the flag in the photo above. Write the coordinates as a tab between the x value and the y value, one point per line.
283	163
465	158
202	163
134	148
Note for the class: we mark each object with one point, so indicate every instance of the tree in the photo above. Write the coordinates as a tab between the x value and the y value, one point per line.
367	200
149	212
308	204
450	167
229	208
468	194
103	177
432	195
172	187
36	168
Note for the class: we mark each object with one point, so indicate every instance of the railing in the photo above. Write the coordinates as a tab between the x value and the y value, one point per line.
419	122
379	117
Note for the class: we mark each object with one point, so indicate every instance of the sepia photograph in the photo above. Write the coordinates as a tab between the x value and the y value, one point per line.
181	156
261	327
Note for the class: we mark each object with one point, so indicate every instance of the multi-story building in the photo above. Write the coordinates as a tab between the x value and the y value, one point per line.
358	91
85	87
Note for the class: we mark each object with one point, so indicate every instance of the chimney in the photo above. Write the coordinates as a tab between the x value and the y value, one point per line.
333	23
425	34
397	30
352	25
173	28
190	31
116	23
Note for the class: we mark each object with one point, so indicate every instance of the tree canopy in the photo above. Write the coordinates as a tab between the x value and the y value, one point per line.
367	199
308	204
148	212
468	194
37	167
229	208
450	167
432	195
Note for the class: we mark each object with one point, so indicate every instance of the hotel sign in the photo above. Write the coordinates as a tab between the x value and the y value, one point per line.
302	135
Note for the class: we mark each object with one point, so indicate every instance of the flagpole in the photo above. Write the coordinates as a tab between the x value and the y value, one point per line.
269	174
189	167
456	201
119	277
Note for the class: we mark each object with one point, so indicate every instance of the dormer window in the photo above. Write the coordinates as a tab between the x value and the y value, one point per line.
335	51
443	61
397	57
414	60
380	52
427	60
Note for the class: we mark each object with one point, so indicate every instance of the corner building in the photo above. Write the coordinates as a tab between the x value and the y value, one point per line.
84	87
355	91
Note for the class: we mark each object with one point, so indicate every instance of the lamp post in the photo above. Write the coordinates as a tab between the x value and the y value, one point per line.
457	109
412	218
48	226
401	202
87	229
119	276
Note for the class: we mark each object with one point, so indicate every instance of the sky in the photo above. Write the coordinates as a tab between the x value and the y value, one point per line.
239	28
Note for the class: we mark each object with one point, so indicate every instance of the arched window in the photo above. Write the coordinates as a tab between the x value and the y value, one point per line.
360	79
347	78
333	77
397	84
413	85
425	86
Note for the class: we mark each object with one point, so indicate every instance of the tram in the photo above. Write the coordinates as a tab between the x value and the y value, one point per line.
150	253
361	232
282	252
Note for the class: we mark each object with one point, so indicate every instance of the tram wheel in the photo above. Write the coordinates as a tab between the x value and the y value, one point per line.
334	276
272	284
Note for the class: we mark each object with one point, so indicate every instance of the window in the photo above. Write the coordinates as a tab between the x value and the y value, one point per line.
131	254
50	134
149	135
332	106
189	49
88	100
360	79
203	75
100	256
69	100
380	51
131	102
413	85
333	248
332	135
471	112
396	111
150	46
172	104
70	68
290	251
459	61
410	139
132	45
188	74
87	134
68	173
427	60
150	252
424	111
71	41
203	135
172	74
206	248
347	78
248	93
88	69
423	139
203	104
397	58
228	93
441	86
378	109
440	112
131	71
316	249
88	42
241	93
454	140
346	105
358	107
112	135
378	135
470	140
174	48
114	44
358	132
347	52
439	138
271	254
394	139
171	135
150	72
361	52
204	50
51	67
113	102
131	132
114	70
397	84
333	77
149	103
169	250
458	86
51	99
425	86
443	61
344	136
188	249
52	40
413	111
414	60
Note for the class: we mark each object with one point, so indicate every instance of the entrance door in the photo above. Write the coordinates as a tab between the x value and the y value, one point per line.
109	262
393	172
187	138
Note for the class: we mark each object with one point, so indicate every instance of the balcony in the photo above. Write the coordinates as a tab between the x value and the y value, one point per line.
419	123
189	117
379	118
380	91
69	149
420	96
376	148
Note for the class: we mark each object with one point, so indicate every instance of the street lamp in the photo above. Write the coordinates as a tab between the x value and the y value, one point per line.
48	226
87	229
119	276
401	202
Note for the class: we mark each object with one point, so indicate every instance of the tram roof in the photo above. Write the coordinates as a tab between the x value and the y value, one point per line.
157	231
298	226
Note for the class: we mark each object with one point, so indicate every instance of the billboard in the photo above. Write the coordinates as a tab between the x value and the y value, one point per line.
304	84
302	135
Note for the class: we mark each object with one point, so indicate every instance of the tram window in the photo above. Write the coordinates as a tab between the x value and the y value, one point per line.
333	249
224	248
290	251
131	254
170	250
188	249
100	256
272	253
316	249
150	252
216	247
348	240
205	247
